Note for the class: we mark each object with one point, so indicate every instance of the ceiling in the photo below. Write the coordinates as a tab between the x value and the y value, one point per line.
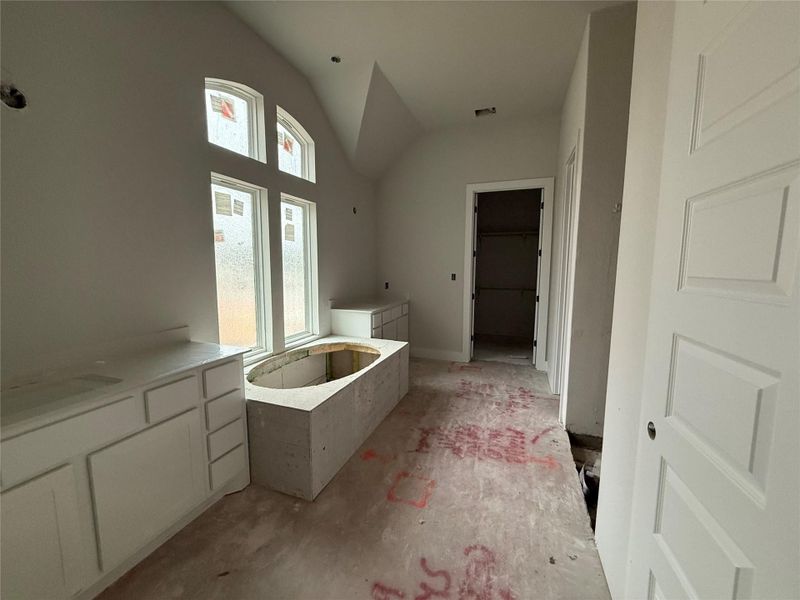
411	67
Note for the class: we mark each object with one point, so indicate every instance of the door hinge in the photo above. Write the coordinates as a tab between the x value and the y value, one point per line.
540	252
474	253
537	297
476	209
471	338
473	296
541	206
534	343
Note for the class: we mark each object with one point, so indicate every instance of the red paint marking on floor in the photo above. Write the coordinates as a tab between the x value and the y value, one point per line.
428	591
370	454
384	592
479	574
420	502
473	441
541	434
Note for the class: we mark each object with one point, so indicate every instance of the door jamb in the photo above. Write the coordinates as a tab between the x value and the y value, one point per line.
546	184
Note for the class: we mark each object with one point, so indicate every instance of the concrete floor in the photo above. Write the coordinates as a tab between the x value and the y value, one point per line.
513	351
466	490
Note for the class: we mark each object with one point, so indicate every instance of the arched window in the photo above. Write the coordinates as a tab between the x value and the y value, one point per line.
235	118
295	147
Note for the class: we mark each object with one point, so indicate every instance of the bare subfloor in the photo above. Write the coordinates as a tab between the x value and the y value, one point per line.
514	351
467	490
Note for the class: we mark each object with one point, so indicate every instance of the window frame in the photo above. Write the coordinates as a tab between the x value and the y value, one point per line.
257	146
261	257
308	149
312	274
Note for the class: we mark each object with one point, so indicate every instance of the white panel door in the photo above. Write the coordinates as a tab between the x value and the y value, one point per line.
142	485
42	553
717	500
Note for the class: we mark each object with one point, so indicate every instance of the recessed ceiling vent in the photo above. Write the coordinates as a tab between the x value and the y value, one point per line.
485	112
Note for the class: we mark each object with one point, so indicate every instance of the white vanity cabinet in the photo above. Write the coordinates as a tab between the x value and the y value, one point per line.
371	319
93	485
42	552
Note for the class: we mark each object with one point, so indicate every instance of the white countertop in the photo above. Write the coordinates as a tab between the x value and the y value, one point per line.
74	389
368	304
309	397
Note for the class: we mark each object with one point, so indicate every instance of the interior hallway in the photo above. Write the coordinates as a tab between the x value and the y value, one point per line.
466	490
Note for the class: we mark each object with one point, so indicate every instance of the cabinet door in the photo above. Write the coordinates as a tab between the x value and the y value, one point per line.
402	329
142	485
42	553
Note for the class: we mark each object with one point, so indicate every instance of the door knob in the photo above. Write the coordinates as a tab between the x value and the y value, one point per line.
651	430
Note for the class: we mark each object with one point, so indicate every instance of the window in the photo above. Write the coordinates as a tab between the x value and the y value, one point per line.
295	148
240	250
235	118
299	248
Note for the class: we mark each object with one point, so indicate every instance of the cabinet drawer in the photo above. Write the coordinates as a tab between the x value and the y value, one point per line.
404	308
224	410
225	468
171	399
402	329
225	439
376	320
222	379
377	333
395	313
390	331
386	316
34	452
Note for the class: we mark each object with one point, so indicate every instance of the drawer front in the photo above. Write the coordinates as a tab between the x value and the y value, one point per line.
34	452
225	439
386	316
390	331
228	466
377	333
222	379
224	410
395	313
404	308
376	320
171	399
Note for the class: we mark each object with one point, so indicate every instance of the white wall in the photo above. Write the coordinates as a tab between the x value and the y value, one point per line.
106	229
632	291
421	216
603	70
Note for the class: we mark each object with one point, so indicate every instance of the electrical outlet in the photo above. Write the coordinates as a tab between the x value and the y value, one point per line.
386	285
452	276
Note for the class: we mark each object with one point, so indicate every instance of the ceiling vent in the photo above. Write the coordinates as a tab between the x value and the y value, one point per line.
485	112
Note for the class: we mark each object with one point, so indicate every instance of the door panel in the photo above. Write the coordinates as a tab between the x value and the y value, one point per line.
142	485
717	488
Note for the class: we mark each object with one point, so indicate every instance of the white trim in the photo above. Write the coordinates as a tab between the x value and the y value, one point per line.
434	354
546	184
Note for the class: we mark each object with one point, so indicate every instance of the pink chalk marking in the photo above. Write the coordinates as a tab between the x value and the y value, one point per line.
370	454
384	592
428	591
421	502
541	434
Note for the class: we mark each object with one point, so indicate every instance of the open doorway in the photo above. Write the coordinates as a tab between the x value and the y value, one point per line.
509	226
506	264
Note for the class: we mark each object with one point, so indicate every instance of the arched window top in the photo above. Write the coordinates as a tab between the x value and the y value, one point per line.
235	118
295	147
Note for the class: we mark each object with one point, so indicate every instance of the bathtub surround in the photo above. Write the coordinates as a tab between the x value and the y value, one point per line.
302	435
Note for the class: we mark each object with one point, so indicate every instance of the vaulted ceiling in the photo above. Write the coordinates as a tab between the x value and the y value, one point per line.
411	67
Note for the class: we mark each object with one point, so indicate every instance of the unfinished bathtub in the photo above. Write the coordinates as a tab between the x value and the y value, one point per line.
309	410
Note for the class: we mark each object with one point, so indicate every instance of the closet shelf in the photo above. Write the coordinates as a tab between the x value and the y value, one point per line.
507	233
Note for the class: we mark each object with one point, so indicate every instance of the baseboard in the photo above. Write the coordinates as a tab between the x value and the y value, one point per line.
437	354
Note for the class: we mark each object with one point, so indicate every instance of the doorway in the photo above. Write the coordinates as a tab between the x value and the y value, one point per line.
507	235
509	226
